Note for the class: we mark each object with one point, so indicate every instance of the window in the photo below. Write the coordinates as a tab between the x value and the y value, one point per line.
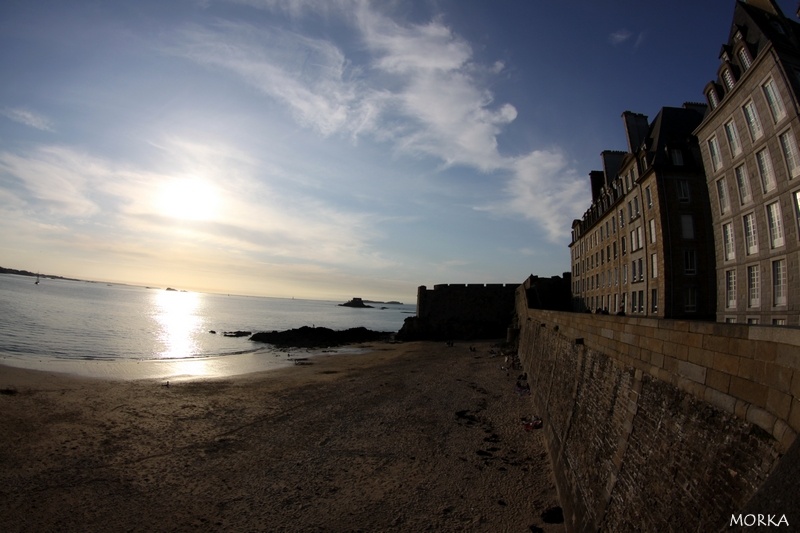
733	138
689	262
778	321
636	206
730	289
713	99
654	300
633	301
727	79
765	171
640	237
752	321
753	286
676	156
641	269
752	120
653	265
624	274
653	223
774	100
722	193
621	218
687	226
690	299
684	194
790	154
624	250
713	151
779	282
727	242
750	234
648	197
744	58
797	209
614	248
775	225
743	184
641	301
730	320
633	270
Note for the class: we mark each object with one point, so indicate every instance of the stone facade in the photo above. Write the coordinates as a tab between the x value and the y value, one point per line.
752	160
660	425
644	247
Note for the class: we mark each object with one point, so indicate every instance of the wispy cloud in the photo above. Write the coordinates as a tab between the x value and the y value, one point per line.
543	188
418	88
619	36
253	219
28	118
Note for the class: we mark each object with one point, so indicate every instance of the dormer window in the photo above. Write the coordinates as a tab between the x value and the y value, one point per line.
713	98
727	79
744	57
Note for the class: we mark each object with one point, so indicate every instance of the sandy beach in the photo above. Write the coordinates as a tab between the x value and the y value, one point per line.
403	437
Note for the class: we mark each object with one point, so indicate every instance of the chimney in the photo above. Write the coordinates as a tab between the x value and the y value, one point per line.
635	129
612	162
598	179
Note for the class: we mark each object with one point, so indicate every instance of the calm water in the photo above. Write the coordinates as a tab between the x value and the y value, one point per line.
72	320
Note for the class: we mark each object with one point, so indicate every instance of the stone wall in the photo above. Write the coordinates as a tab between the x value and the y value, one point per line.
467	302
461	312
657	425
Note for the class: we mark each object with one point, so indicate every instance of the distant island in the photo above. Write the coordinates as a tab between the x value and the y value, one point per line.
4	270
356	302
392	302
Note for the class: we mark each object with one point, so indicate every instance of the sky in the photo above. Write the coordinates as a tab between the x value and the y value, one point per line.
324	149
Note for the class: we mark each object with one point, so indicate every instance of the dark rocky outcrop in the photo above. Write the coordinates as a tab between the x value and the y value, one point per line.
307	337
237	333
356	302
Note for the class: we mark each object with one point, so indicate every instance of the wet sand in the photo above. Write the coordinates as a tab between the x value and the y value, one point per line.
405	437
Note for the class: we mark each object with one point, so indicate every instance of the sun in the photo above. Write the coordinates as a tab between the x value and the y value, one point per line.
188	199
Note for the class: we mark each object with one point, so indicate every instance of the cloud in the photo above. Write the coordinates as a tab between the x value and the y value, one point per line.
310	76
545	189
126	202
28	118
619	37
53	178
415	86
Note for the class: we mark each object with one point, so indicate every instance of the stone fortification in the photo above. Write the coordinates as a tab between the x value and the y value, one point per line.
661	425
451	311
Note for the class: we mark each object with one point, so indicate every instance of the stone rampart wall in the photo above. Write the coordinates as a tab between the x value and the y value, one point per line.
473	302
659	425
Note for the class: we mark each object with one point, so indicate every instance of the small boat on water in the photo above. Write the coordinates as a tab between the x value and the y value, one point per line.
37	279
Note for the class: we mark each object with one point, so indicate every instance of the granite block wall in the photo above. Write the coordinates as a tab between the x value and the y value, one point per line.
657	425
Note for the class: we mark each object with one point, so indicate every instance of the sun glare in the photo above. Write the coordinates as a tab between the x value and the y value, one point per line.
188	199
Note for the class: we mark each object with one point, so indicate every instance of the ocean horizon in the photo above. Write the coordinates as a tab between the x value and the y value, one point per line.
57	323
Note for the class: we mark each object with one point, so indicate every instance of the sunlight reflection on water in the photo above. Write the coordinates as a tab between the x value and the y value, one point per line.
179	323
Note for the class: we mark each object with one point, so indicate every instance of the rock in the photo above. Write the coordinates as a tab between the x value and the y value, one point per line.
307	337
356	302
237	333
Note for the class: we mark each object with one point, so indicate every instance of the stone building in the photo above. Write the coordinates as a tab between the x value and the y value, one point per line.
645	245
749	145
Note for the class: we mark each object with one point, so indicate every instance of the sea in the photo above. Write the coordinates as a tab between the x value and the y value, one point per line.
128	332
